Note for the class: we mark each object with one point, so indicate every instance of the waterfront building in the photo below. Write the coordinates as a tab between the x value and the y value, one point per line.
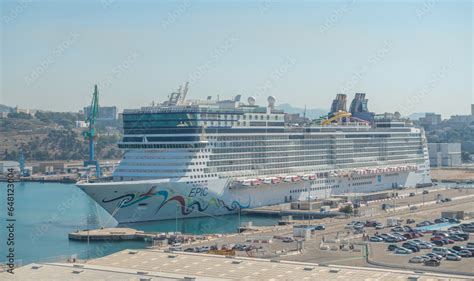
6	165
106	113
445	154
81	124
430	120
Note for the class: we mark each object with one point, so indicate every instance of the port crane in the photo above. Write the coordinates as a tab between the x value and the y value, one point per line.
90	134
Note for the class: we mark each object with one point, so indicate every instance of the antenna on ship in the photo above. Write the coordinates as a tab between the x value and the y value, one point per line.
185	91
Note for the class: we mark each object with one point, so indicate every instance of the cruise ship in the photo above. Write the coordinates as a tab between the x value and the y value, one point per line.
188	158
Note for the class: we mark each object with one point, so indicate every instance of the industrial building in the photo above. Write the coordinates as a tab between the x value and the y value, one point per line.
5	165
445	154
105	113
430	120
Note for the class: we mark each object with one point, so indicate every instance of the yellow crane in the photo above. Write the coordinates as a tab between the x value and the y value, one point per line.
337	116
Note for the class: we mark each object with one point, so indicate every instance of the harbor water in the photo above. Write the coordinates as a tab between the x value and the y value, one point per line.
47	212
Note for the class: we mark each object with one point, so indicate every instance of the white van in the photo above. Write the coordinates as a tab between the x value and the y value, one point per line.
440	251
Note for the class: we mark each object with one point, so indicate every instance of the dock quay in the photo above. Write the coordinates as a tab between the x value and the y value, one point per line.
297	214
282	210
127	234
115	234
277	252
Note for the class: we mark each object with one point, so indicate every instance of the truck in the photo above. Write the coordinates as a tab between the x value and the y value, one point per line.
391	222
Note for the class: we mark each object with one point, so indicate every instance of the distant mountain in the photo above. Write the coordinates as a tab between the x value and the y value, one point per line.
311	113
4	108
416	116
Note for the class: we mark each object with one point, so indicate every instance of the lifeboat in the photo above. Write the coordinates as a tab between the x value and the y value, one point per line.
246	182
272	180
309	177
291	179
255	182
276	180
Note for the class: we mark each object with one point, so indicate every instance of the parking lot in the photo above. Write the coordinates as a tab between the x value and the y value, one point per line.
424	240
324	246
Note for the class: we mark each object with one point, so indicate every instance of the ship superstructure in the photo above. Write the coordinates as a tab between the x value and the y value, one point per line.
187	158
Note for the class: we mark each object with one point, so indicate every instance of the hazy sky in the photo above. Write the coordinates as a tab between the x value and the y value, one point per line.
410	56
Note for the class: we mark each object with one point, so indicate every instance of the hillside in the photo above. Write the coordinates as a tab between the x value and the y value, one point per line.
52	136
4	108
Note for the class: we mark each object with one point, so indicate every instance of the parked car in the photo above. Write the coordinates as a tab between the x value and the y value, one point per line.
423	223
417	259
441	234
458	248
436	238
441	220
320	227
432	262
403	251
454	220
399	237
349	225
453	257
440	251
384	235
398	229
411	247
438	243
456	238
455	228
379	226
288	239
176	248
461	234
417	241
426	245
370	223
464	253
376	239
434	256
392	247
203	249
409	221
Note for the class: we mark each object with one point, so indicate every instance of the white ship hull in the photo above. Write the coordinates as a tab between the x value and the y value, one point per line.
150	200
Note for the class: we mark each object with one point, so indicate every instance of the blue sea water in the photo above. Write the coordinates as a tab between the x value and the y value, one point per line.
436	226
47	212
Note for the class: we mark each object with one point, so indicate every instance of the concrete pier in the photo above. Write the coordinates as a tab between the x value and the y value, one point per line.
108	234
284	210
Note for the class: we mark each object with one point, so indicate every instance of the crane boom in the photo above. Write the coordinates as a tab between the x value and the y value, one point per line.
91	133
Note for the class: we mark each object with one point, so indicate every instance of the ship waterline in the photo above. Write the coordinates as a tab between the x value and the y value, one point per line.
151	200
204	158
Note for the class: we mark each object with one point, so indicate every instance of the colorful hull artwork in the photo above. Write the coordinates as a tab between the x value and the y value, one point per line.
186	205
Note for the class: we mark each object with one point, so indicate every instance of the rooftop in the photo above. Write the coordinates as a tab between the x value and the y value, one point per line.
158	265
